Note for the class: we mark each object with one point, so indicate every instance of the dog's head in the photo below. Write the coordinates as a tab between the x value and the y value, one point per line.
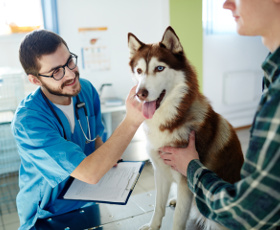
160	70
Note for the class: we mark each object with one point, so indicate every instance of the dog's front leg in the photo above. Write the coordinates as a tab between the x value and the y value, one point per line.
163	183
183	205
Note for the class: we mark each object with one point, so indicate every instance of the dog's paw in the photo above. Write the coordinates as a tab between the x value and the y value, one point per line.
147	227
172	203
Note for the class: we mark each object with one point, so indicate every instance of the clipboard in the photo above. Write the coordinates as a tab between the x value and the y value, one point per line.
115	187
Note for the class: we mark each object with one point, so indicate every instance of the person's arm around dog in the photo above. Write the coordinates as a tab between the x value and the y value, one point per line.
179	158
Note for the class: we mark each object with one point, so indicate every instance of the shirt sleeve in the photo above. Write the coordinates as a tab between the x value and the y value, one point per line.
40	143
249	204
254	201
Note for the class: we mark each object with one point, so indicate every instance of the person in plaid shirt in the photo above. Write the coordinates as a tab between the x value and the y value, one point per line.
254	201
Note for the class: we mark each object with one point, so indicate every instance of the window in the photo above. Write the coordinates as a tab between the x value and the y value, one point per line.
49	8
22	16
217	20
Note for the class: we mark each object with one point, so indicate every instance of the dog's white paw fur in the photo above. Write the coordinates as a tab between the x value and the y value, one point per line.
147	227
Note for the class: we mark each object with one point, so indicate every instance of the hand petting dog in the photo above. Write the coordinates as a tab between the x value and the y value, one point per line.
179	158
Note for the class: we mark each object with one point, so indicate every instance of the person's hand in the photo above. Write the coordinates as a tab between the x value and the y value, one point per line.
179	158
134	108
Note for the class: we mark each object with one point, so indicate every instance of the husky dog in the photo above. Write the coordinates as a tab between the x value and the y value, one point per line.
168	85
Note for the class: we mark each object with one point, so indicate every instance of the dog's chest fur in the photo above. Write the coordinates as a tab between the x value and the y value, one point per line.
160	134
158	138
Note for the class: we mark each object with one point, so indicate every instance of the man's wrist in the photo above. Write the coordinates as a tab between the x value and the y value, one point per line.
131	124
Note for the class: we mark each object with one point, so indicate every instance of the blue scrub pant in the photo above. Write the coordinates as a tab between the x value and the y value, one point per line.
83	218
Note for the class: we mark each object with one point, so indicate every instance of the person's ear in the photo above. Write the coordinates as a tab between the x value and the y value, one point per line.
34	80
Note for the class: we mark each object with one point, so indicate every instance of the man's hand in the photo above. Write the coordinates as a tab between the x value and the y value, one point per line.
179	158
134	108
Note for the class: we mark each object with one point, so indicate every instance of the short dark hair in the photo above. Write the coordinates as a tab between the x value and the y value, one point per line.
34	45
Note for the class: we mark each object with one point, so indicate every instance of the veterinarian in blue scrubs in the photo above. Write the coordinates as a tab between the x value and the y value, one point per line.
58	129
254	201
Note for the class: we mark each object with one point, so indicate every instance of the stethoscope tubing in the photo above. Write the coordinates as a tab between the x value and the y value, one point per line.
78	105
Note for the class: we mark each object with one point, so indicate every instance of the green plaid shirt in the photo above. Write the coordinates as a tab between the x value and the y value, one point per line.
254	202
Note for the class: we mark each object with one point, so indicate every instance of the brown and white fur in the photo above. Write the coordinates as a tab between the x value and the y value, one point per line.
168	84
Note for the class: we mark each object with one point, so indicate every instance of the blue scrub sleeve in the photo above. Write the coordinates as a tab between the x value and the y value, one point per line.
40	141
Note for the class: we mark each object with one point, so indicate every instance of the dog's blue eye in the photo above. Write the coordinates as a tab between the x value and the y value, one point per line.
160	68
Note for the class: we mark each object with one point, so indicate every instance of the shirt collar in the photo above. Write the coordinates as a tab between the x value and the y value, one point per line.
270	66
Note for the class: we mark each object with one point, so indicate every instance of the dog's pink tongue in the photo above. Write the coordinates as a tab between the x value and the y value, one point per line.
149	109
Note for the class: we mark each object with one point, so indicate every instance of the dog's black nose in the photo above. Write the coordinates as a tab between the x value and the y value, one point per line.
142	94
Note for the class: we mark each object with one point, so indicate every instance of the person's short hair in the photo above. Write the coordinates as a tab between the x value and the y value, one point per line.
34	45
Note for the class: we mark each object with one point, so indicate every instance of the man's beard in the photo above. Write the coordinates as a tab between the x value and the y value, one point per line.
59	92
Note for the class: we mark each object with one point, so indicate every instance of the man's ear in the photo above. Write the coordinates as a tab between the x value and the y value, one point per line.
34	80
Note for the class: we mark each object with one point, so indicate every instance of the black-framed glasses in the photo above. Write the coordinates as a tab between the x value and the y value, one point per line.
59	72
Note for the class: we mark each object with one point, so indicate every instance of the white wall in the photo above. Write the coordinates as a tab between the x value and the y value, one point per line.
9	46
147	19
232	75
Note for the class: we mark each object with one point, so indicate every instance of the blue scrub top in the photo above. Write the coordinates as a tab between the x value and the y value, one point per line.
47	159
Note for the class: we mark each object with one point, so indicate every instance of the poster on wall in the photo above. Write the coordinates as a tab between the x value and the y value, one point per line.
94	48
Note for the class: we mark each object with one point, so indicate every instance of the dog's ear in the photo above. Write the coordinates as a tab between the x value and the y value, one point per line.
134	44
171	41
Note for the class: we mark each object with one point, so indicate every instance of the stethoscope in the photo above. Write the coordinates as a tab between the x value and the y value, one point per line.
78	106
